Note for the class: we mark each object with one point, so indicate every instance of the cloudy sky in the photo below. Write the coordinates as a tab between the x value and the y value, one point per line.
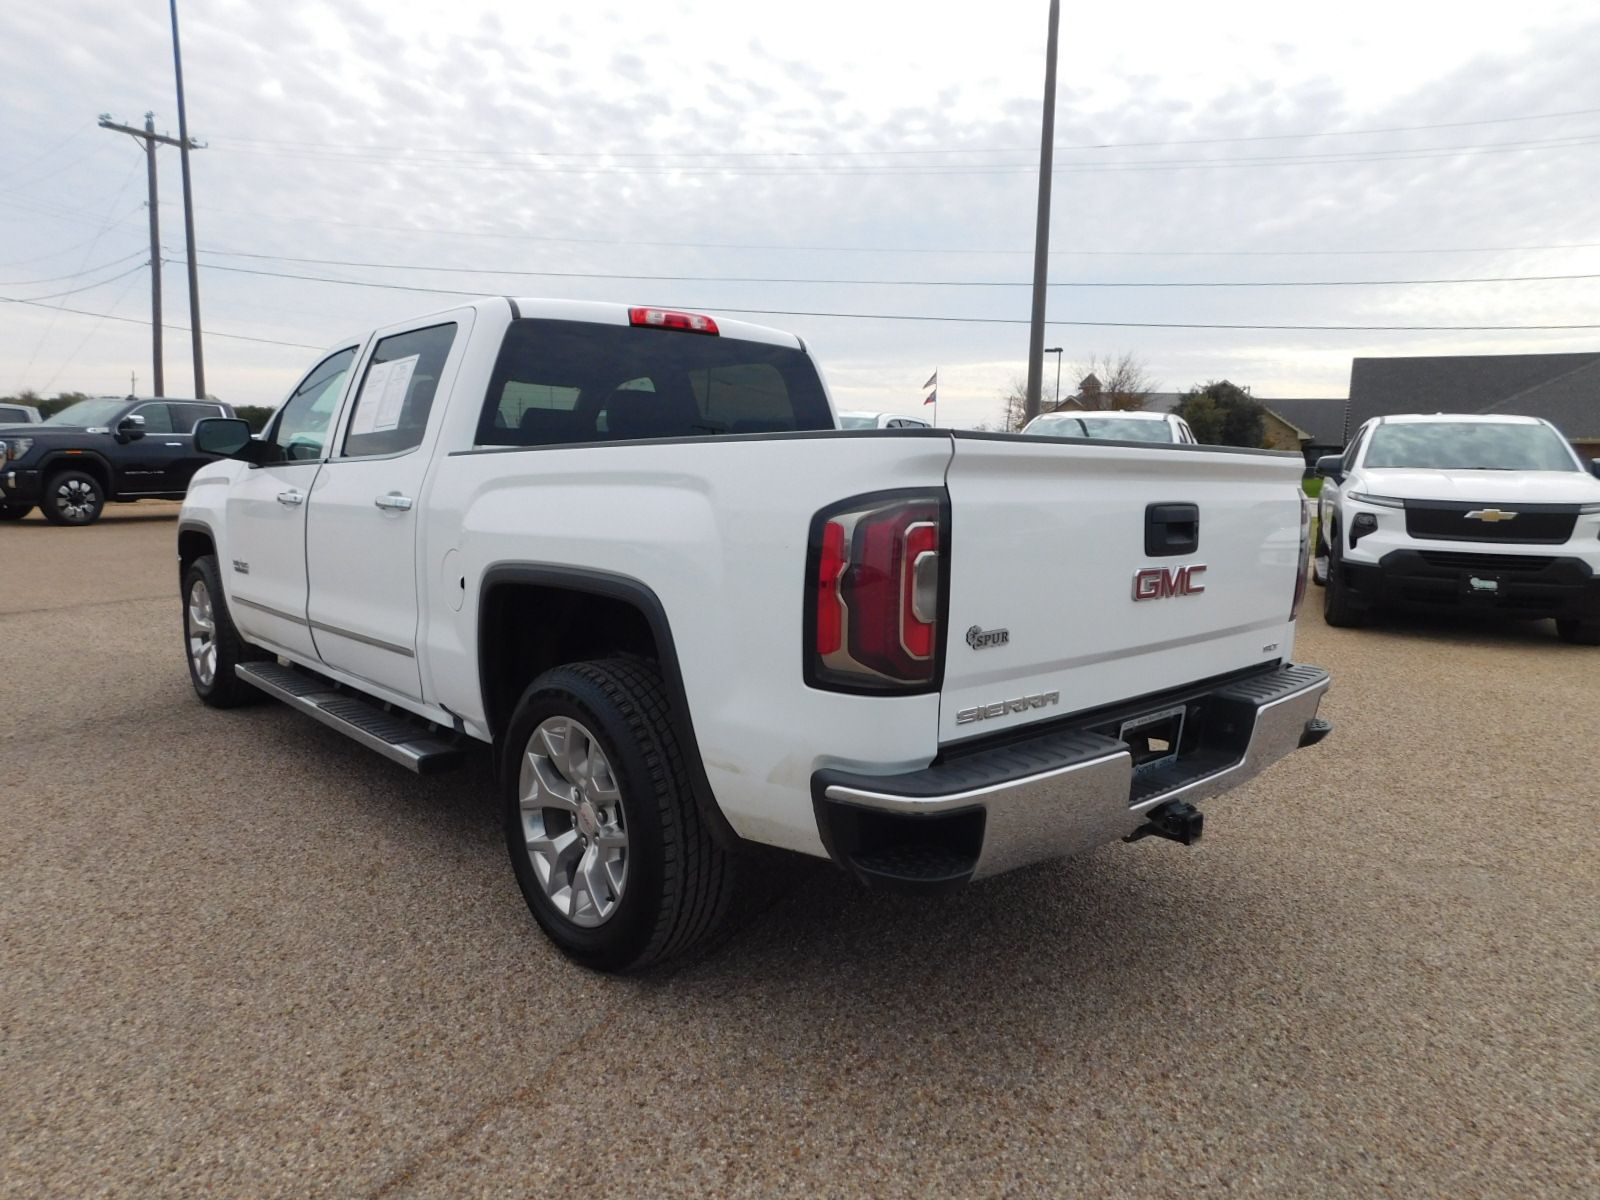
734	156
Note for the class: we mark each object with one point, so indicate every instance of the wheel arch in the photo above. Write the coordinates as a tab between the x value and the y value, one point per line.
578	614
195	540
95	464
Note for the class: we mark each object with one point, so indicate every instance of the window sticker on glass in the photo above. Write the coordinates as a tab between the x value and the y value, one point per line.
384	396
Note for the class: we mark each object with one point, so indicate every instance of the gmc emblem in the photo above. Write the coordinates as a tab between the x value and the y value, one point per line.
1157	583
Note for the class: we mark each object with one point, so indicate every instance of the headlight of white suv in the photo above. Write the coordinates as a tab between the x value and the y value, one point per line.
1379	501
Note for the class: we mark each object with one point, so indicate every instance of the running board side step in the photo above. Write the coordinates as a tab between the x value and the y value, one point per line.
400	738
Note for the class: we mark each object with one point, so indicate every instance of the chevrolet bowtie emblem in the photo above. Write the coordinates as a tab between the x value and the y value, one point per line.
1491	515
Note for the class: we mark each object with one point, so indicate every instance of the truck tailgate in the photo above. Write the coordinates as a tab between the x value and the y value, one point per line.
1048	543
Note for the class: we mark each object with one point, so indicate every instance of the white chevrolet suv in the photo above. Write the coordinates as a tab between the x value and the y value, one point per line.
1493	514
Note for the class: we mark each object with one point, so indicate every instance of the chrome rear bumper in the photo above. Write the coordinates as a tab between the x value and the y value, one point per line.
984	812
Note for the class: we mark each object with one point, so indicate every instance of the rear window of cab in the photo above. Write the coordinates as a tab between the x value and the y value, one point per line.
570	382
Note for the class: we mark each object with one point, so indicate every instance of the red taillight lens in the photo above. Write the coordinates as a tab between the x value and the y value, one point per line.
1305	556
830	605
666	318
876	588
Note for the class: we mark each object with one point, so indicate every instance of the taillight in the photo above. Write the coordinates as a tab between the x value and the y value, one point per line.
875	593
1305	556
665	318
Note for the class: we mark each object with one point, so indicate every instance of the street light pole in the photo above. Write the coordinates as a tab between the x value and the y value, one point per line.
1041	249
1056	350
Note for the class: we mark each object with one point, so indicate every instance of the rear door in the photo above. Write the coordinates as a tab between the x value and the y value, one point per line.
265	571
1073	573
361	542
187	460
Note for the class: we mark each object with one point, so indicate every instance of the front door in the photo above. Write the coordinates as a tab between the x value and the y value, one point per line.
264	562
144	465
361	543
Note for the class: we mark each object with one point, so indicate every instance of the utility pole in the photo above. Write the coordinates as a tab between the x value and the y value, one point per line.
1041	249
150	138
188	211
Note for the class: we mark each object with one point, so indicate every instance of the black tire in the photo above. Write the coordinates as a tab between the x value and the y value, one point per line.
14	512
1579	633
678	883
1319	551
72	498
1339	609
224	689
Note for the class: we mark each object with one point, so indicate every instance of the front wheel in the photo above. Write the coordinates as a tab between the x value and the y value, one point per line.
14	512
211	643
1339	608
73	498
1579	633
608	846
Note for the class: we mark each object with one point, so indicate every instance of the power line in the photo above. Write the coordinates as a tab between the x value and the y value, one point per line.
782	312
238	337
776	312
23	262
1207	141
390	160
500	235
91	286
976	283
73	275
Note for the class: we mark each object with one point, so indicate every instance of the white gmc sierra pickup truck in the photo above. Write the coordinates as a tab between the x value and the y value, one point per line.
630	549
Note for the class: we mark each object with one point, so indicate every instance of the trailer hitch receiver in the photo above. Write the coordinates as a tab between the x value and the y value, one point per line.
1175	820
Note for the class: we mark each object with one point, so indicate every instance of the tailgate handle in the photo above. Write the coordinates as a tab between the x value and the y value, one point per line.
1171	529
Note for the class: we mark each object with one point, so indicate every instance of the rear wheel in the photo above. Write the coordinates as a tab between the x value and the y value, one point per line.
72	498
1579	633
211	643
1339	608
14	512
605	838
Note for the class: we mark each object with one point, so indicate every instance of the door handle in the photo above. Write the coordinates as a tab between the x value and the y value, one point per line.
174	443
393	502
290	498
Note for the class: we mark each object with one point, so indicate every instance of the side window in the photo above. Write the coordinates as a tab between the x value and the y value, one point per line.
301	429
186	416
157	417
12	415
391	410
1353	452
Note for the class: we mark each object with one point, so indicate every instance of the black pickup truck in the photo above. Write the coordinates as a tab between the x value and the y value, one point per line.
101	450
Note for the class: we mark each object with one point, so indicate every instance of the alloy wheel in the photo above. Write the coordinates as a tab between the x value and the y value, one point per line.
202	633
572	822
76	500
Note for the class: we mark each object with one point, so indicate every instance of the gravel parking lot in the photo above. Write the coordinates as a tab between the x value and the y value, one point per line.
243	957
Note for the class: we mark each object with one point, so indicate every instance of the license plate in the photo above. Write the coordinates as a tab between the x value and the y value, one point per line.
1153	738
1487	586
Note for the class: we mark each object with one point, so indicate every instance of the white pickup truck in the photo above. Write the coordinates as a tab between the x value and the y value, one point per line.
629	549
